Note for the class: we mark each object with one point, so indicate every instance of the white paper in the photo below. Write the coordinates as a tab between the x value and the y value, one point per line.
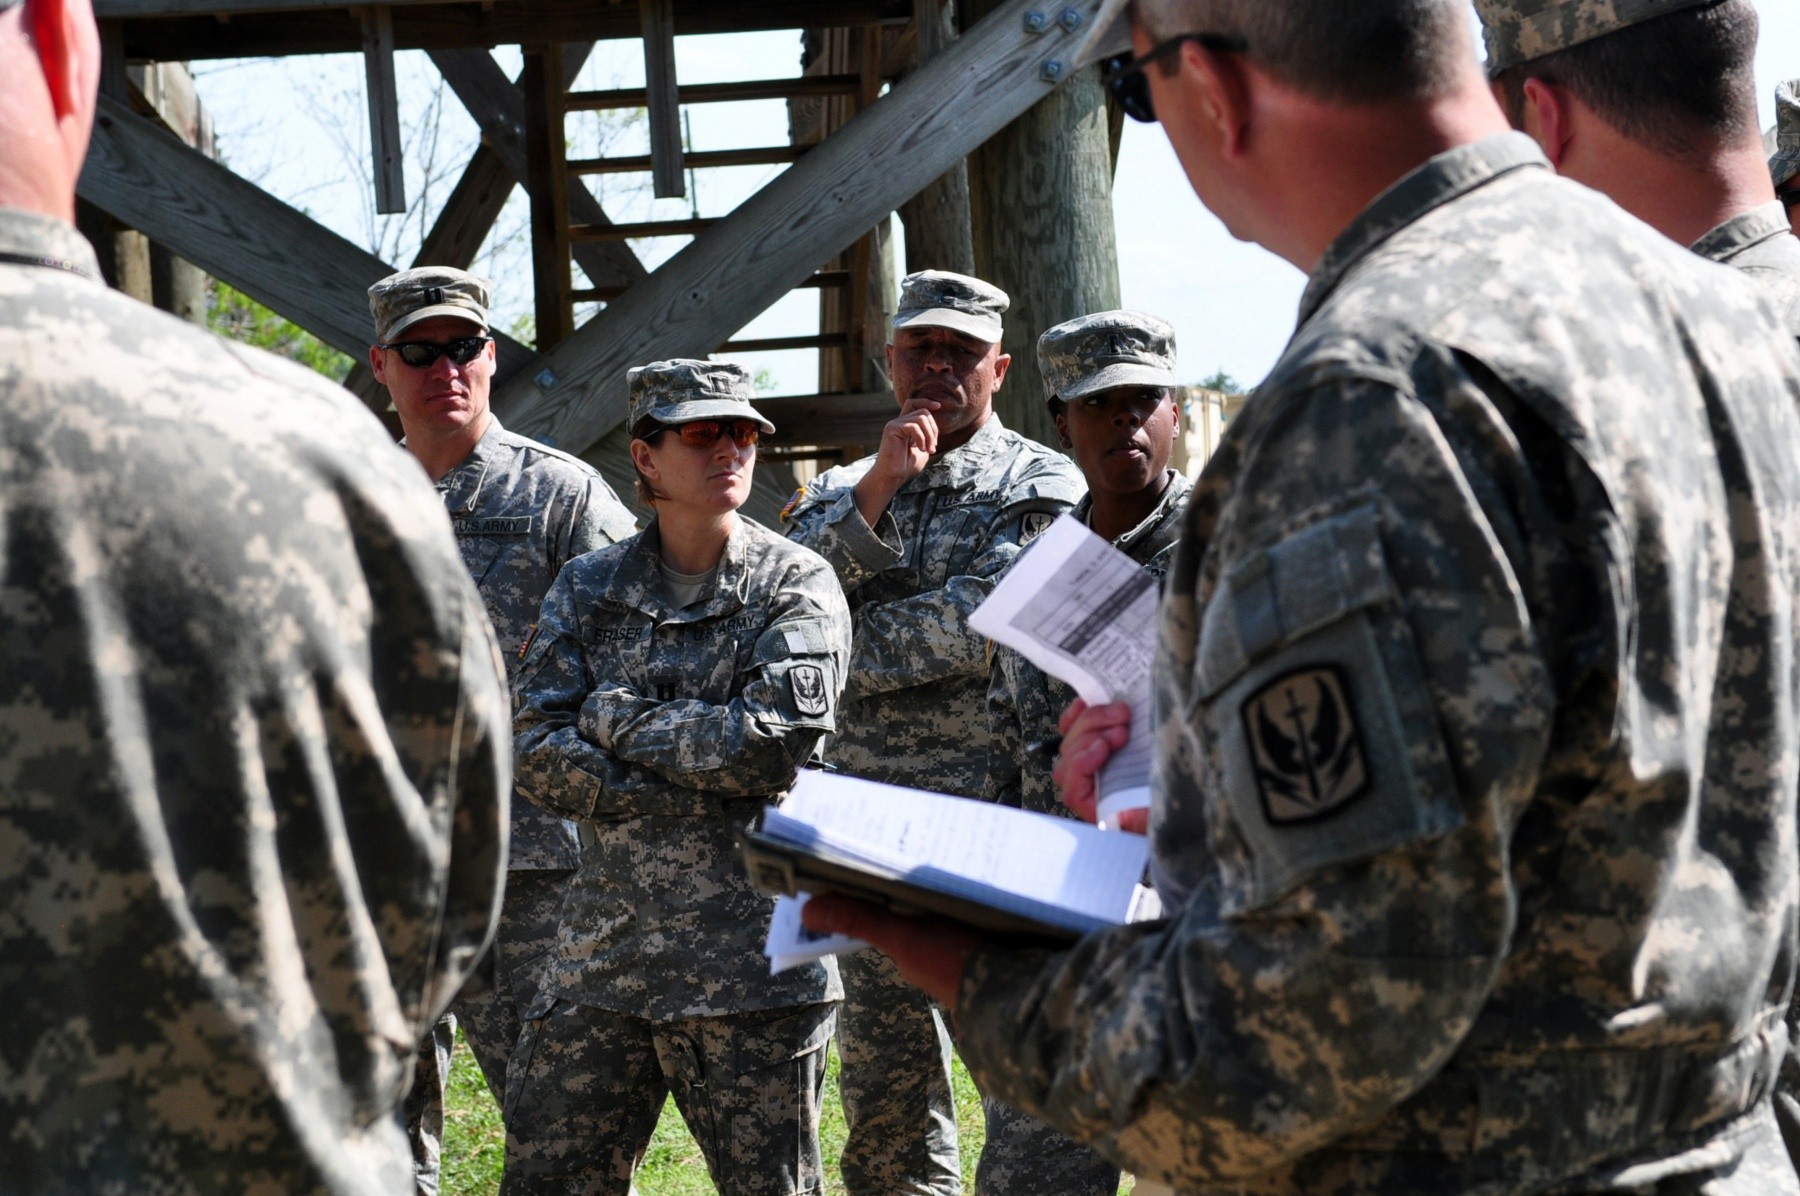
1085	613
1055	869
791	944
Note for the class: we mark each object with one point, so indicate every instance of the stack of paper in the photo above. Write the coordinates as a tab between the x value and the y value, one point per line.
997	868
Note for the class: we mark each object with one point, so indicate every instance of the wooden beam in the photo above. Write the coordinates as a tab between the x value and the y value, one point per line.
668	173
766	155
721	93
499	110
834	420
191	29
776	238
239	233
384	109
547	183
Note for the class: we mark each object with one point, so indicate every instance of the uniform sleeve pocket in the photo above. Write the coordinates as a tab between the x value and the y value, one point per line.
1312	704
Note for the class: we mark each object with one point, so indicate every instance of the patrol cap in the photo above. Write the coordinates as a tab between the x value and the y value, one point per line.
1520	30
683	390
1784	163
1106	350
940	299
401	300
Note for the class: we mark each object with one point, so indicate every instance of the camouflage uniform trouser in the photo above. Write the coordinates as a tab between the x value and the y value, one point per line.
587	1086
490	1017
894	1055
1024	1157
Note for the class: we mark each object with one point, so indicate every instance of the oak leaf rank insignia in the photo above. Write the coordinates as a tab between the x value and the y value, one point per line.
807	683
1305	745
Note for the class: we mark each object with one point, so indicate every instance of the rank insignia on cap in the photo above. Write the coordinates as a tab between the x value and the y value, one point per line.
807	681
1305	745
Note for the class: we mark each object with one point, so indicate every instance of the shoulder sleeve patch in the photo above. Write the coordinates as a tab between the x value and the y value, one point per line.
1311	699
1305	745
793	503
1034	525
807	684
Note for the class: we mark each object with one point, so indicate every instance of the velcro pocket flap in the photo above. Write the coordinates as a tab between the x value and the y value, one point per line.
1282	593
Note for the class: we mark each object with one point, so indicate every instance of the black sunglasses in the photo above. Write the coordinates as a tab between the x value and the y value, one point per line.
420	354
1125	74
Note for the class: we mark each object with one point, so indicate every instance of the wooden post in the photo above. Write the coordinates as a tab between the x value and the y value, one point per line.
1041	213
668	172
124	252
937	219
384	109
546	183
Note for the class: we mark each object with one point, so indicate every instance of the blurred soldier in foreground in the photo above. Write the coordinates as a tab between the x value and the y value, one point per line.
1474	802
252	726
918	533
1110	384
1653	103
1784	163
521	511
676	684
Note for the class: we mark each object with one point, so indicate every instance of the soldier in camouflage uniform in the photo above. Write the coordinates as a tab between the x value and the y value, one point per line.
1679	156
1109	379
918	533
1784	163
676	683
1473	810
521	511
1654	103
253	726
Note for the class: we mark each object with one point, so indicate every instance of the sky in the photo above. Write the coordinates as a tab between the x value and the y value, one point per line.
298	128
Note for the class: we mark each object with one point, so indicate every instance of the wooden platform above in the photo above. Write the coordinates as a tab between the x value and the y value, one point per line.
183	30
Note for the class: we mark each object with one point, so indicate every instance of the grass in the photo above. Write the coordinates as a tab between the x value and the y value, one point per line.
475	1143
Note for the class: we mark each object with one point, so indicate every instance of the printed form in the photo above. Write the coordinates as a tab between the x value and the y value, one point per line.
1085	613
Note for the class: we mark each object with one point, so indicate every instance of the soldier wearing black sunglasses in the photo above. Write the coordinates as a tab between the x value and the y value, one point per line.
521	511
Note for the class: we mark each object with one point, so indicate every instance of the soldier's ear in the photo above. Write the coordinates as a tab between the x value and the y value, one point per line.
68	51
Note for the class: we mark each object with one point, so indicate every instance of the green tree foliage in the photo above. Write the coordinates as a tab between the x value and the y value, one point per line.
231	313
1222	382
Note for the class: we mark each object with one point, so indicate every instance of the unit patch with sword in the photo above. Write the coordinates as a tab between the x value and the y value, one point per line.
1305	745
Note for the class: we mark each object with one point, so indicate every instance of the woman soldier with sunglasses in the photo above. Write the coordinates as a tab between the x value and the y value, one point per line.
677	681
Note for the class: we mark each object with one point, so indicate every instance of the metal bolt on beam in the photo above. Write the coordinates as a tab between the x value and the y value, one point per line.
1036	22
546	379
1070	20
1053	71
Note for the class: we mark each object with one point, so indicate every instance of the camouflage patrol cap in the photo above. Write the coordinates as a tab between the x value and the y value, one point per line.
1104	351
940	299
682	391
401	300
1784	163
1520	30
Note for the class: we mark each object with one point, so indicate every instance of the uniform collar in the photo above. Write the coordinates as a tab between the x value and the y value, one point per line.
962	463
1762	223
1160	527
639	582
461	487
33	239
1447	177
